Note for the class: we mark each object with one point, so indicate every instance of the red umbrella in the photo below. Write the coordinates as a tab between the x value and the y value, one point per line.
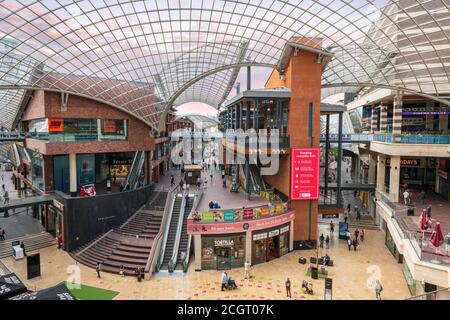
423	220
437	238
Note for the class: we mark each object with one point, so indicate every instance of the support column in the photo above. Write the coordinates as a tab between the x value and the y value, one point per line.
248	246
256	115
73	174
381	166
291	236
383	118
339	161
443	120
198	252
429	118
372	168
247	116
394	179
327	144
397	117
374	121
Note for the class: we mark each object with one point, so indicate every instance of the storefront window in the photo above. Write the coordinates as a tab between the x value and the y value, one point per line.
223	252
270	244
37	169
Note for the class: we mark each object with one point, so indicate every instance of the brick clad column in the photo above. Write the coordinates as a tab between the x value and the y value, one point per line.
397	117
383	118
73	174
374	121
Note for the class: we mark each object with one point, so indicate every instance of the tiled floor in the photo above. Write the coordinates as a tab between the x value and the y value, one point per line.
352	273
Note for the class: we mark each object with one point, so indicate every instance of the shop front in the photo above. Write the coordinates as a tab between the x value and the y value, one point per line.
270	244
390	244
226	242
222	252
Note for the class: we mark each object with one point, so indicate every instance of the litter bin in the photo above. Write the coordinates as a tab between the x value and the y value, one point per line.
314	273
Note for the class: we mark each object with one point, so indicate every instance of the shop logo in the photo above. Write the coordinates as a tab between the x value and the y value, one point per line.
246	226
224	243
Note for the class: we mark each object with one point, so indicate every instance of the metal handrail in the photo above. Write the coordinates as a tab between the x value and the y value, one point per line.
156	246
198	196
174	258
165	225
427	294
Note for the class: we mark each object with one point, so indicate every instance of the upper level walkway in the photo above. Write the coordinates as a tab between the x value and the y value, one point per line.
388	138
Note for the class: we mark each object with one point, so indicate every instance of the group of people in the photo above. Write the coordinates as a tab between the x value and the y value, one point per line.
214	205
359	235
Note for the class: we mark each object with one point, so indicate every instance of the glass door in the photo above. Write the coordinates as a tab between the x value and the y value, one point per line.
223	258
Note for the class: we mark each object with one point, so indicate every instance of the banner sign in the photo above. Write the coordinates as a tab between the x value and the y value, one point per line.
305	174
55	125
228	216
240	226
405	162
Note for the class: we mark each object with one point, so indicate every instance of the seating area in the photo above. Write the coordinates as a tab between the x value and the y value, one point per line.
128	245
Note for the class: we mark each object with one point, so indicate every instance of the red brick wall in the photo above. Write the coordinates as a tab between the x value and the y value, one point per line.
36	107
82	108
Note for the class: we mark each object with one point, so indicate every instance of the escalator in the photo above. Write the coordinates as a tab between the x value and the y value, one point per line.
184	237
132	180
256	177
172	233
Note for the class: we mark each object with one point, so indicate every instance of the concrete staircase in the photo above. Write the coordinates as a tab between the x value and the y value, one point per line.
32	242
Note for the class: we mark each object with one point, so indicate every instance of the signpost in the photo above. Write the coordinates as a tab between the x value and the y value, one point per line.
305	174
328	293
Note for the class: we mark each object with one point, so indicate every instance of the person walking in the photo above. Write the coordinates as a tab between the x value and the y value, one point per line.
247	270
429	211
321	239
98	269
361	236
345	217
2	234
211	175
6	197
327	242
349	207
331	227
224	280
422	196
122	270
378	289
355	243
356	234
288	288
172	181
349	244
59	240
358	214
406	197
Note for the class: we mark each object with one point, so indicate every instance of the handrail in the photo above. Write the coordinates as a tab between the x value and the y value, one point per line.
176	245
197	198
127	180
427	294
139	168
167	213
156	246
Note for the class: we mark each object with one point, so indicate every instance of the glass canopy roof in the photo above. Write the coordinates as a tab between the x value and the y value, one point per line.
144	56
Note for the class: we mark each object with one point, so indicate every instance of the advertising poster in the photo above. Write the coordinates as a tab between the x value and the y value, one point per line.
109	126
256	213
248	214
217	215
228	215
265	212
86	169
239	215
279	208
208	216
305	174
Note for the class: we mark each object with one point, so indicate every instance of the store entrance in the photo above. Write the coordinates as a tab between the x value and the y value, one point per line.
53	221
272	246
223	258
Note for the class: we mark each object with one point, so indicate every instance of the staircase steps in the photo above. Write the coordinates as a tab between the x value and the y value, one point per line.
32	242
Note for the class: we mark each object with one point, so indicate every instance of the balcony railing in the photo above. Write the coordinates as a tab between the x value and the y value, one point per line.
420	241
74	137
413	138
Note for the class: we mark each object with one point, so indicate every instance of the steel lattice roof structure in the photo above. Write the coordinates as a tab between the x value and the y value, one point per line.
145	56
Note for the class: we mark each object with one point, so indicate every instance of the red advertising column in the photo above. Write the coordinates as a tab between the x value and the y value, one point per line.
305	174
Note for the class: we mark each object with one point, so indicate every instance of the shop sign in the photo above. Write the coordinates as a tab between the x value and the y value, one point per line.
224	243
265	212
406	162
208	216
248	214
274	233
234	227
55	125
305	174
109	126
228	216
442	174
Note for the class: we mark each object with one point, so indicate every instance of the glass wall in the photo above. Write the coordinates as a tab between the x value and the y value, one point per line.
61	176
85	169
223	252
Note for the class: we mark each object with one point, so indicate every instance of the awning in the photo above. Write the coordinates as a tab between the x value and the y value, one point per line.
58	292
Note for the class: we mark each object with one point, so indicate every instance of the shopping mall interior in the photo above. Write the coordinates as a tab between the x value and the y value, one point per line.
225	150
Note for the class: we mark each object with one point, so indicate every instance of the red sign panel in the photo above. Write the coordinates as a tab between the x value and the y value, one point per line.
109	126
55	125
305	174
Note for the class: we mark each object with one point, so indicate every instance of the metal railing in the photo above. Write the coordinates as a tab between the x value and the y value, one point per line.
173	260
156	246
429	295
197	198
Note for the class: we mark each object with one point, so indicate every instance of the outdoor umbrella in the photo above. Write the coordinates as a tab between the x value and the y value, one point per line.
437	238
